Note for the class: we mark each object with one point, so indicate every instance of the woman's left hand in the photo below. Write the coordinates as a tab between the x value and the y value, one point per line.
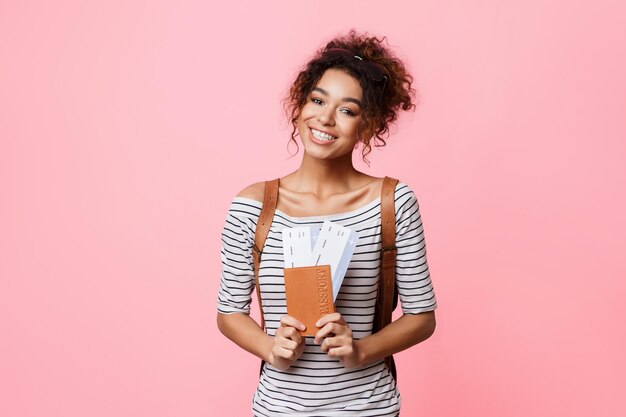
337	341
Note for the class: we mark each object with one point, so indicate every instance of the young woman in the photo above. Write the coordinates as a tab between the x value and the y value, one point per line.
345	96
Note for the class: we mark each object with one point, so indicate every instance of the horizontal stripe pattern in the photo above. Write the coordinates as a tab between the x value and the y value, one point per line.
316	385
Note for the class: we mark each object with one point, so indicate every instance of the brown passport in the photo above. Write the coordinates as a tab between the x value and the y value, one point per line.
309	295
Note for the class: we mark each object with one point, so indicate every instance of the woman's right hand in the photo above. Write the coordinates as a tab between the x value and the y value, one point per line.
288	344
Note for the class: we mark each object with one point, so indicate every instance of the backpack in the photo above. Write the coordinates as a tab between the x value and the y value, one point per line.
387	289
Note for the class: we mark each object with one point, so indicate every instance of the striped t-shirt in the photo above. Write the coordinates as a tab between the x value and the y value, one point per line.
316	385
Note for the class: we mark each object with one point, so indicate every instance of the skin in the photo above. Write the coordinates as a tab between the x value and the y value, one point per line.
326	179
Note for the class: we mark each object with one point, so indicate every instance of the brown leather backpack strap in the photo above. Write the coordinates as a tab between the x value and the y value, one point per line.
386	285
384	305
270	199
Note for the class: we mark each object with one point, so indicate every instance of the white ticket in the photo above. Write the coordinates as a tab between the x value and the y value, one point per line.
334	246
297	246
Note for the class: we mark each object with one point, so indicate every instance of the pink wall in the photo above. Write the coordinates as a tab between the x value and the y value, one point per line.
127	127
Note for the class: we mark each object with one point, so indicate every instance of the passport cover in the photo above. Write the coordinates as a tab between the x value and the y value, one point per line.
309	293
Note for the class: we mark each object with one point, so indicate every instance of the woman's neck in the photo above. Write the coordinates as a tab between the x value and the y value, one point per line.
323	177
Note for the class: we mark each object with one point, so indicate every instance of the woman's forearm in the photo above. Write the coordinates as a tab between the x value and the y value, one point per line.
246	333
408	330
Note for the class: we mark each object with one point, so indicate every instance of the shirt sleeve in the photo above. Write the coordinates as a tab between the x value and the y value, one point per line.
237	275
415	288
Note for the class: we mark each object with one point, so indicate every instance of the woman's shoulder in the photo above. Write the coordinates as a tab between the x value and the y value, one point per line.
253	191
248	202
402	190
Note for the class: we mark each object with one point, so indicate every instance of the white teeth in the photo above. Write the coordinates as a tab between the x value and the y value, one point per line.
321	135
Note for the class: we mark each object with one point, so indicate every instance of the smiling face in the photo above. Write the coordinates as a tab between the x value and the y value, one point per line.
330	116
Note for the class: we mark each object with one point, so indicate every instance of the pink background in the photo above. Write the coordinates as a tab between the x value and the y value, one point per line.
127	127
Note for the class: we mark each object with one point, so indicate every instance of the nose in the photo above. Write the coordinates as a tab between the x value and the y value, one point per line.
325	116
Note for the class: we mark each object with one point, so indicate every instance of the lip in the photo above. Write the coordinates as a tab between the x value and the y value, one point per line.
319	142
322	130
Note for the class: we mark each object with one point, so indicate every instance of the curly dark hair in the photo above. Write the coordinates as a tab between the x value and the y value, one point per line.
379	111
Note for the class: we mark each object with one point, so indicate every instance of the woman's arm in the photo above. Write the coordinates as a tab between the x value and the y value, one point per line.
246	333
406	331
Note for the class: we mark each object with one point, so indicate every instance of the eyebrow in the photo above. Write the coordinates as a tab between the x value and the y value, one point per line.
348	99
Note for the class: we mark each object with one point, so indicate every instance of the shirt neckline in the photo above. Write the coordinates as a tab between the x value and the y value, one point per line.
322	217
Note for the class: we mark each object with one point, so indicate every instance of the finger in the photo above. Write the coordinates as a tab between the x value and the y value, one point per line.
287	320
294	335
328	318
338	352
329	343
289	333
287	344
286	331
285	353
328	329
